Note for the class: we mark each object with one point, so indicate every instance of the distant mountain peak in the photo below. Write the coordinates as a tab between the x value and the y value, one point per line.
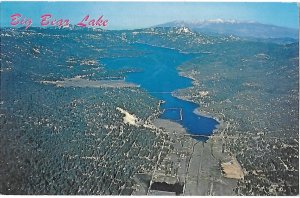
235	27
213	21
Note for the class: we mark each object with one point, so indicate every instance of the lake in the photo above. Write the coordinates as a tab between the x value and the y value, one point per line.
158	76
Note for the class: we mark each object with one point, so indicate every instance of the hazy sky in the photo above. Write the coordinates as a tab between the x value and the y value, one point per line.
129	15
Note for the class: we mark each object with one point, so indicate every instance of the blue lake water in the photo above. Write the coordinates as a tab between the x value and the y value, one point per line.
159	74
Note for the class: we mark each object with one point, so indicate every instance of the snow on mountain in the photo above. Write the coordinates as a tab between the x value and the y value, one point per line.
235	27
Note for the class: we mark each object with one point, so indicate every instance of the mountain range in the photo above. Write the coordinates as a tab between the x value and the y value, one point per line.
237	28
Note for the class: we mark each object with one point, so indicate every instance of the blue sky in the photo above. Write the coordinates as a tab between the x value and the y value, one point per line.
130	15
